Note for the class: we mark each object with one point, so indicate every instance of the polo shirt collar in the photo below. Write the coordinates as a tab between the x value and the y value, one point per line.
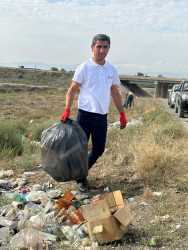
96	64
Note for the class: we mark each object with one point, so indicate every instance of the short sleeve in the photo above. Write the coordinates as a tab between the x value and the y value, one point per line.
79	75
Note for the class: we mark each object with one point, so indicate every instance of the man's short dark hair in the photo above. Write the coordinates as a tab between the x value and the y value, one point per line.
100	37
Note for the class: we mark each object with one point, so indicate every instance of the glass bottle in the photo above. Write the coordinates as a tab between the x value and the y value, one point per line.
61	203
76	217
68	195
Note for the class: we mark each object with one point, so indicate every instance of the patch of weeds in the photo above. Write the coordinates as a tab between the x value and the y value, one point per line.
11	143
26	163
135	236
31	147
158	116
39	128
182	185
170	204
168	132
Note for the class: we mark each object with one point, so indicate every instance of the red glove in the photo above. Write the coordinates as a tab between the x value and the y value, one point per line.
65	115
123	120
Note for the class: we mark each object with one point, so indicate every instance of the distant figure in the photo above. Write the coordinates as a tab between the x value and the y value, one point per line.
129	100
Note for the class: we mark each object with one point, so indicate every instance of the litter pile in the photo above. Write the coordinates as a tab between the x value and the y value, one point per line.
38	217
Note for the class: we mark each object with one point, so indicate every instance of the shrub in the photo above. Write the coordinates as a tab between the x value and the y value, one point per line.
37	131
11	143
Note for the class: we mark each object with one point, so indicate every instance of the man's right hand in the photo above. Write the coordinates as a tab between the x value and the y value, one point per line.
65	115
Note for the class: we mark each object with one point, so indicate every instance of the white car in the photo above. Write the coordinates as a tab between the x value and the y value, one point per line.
172	94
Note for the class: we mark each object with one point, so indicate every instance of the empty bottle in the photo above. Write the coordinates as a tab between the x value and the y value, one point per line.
76	217
61	203
68	195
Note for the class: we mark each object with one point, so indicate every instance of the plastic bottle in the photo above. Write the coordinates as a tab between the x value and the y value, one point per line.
81	197
80	231
70	233
52	229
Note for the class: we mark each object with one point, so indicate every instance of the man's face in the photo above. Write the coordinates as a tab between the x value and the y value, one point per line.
100	51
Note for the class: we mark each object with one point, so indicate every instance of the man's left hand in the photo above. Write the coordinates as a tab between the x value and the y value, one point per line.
123	120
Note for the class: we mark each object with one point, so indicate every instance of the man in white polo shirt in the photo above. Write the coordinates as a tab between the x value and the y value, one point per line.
97	80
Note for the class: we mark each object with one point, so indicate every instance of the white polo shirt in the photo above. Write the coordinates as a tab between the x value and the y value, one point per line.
96	82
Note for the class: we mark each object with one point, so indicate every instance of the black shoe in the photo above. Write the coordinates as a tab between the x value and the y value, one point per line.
82	187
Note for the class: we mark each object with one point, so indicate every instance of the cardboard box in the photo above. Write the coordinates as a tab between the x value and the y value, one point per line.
104	227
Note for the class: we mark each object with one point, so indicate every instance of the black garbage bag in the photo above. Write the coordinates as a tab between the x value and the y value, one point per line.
64	151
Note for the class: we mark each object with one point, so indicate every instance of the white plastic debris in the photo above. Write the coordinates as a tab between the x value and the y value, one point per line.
28	174
27	237
176	228
6	173
156	193
37	196
132	123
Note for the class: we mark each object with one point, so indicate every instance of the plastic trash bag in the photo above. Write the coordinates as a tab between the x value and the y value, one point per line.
27	238
64	151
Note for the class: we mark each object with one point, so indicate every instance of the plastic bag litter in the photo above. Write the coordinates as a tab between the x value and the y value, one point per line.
64	151
27	237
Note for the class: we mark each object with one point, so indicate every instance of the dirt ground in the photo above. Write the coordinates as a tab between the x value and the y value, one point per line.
140	202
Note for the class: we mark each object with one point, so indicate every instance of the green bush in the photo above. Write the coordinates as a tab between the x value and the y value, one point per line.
11	143
37	131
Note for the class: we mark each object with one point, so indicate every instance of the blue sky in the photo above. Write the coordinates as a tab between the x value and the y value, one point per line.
148	36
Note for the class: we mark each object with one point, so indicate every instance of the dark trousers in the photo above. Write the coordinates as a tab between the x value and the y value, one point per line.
128	101
94	125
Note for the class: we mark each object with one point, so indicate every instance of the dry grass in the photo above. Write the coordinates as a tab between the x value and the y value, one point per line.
138	160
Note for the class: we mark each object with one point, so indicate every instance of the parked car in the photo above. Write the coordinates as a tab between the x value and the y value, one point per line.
172	94
181	99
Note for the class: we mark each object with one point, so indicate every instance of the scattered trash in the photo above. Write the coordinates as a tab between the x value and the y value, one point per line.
30	136
176	228
131	199
37	216
100	176
23	191
6	173
134	122
106	189
156	193
162	218
27	238
28	174
143	203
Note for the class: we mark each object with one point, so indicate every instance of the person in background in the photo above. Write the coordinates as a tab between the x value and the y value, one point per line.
97	80
129	100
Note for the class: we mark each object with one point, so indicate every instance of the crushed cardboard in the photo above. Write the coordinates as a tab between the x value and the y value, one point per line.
104	227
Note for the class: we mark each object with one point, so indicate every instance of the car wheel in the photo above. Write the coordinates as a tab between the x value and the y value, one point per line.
171	105
176	108
181	112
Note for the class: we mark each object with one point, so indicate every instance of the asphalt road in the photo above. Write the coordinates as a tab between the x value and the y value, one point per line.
175	117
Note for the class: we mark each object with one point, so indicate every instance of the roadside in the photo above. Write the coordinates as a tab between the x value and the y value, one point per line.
175	117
